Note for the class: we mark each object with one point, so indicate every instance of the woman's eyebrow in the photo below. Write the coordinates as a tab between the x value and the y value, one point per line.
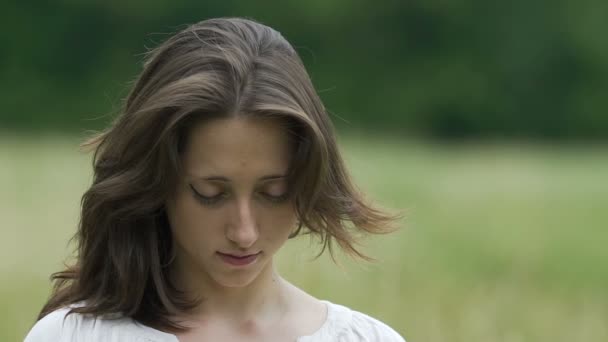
225	179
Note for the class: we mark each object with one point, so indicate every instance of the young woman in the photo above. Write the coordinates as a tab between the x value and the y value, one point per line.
222	152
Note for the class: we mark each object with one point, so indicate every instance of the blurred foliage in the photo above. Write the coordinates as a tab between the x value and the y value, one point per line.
432	68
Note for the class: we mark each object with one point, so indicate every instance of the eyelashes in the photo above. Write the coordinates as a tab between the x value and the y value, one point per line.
213	200
277	198
207	200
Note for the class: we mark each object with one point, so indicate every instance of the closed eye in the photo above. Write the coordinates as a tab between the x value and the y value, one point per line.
276	198
212	200
208	200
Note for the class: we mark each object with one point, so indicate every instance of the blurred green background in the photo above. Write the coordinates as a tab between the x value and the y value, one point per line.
485	120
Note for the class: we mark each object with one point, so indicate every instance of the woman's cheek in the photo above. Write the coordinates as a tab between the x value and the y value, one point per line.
284	223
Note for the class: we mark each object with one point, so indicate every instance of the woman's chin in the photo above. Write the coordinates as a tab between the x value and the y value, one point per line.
235	281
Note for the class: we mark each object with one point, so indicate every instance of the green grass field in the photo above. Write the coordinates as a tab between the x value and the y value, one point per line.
502	242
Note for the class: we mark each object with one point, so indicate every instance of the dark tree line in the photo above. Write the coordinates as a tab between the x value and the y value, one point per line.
444	69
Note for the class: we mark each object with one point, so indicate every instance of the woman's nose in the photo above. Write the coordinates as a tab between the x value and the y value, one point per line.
243	230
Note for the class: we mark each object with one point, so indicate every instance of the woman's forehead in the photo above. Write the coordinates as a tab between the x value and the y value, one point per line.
221	147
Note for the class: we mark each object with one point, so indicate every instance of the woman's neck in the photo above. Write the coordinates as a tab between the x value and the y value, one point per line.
264	300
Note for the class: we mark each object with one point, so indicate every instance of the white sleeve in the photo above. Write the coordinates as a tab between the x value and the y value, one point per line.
49	328
348	325
369	329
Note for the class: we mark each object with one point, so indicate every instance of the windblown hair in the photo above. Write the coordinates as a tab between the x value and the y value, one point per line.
226	67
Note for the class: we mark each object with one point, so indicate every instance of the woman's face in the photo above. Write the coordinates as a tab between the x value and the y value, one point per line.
231	210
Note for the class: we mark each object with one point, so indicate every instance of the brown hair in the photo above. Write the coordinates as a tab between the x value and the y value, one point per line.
216	68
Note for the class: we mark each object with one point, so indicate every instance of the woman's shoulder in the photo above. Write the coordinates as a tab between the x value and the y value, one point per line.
49	327
345	324
63	326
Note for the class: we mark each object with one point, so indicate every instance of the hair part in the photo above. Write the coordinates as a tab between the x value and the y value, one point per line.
218	68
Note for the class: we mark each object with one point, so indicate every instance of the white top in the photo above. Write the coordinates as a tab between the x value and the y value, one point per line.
342	324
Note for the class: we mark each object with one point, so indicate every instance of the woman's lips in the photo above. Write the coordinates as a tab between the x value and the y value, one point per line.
236	260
